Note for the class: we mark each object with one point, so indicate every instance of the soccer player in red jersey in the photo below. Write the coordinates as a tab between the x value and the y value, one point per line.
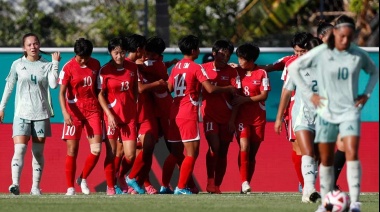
81	110
185	82
117	96
249	114
216	111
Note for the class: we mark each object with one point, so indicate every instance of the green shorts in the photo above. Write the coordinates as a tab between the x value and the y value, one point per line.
327	132
34	128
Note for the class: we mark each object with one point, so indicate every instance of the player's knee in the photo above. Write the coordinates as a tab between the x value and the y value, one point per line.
95	148
37	150
20	149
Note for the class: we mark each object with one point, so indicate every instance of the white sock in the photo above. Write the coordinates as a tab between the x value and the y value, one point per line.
326	178
17	162
37	163
354	176
308	172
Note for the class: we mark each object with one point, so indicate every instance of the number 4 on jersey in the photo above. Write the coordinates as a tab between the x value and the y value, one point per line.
179	85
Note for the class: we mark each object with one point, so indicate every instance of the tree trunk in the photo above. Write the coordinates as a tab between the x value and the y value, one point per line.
162	20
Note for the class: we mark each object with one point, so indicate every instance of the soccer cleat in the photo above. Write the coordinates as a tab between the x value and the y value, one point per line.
84	187
245	188
166	190
355	207
210	188
217	190
123	185
321	208
70	191
133	183
194	190
118	190
35	191
299	187
311	196
110	191
131	191
182	191
14	189
151	190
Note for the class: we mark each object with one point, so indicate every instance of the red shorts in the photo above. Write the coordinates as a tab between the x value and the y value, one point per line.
255	133
124	131
148	126
183	130
91	124
211	127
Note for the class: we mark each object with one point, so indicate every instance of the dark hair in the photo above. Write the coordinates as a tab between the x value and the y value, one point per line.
115	42
313	42
300	39
248	51
323	27
188	43
83	47
223	45
208	57
31	35
155	44
135	41
343	20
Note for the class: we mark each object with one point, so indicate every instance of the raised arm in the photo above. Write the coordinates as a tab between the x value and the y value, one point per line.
53	72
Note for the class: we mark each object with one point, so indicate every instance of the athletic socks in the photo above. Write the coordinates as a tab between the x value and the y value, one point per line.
37	163
354	175
326	178
243	166
89	165
70	166
220	170
17	162
109	171
186	170
308	172
167	170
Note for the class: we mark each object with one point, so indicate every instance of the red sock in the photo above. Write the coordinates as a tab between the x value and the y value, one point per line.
186	170
70	170
137	166
126	165
116	163
89	165
220	170
251	169
297	161
243	166
167	169
210	164
109	171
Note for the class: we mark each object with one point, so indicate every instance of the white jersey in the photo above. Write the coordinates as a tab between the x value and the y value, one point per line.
33	100
337	77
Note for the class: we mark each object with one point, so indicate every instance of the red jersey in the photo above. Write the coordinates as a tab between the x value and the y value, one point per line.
284	75
81	82
145	101
280	63
217	106
253	113
186	78
119	85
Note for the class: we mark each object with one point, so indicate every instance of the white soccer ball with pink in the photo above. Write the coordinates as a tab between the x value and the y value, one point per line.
337	201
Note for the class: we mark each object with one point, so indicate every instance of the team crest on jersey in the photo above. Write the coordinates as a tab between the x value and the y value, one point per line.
93	72
224	78
256	82
132	74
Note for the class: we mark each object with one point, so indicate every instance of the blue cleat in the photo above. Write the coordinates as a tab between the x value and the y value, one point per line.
118	190
300	187
182	191
165	190
133	183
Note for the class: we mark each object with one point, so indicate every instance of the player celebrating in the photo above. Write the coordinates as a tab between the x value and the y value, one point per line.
33	109
250	108
185	81
81	110
216	111
338	103
117	96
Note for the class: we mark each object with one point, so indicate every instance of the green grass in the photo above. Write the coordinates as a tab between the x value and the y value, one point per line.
265	202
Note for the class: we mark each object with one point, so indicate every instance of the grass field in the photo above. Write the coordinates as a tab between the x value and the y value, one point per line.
265	202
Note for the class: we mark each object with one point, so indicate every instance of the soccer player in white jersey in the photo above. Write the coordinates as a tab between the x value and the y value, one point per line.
337	65
33	108
303	122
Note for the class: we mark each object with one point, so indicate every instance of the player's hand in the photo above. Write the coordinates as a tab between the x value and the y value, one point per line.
317	100
67	119
140	61
1	116
162	82
112	122
56	56
238	100
278	126
233	65
361	100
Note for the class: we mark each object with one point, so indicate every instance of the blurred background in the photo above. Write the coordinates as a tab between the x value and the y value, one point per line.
268	23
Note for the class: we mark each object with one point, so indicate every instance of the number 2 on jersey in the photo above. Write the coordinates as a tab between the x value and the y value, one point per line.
179	85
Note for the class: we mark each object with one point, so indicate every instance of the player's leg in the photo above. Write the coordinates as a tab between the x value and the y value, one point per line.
243	134
255	139
339	160
226	138
211	131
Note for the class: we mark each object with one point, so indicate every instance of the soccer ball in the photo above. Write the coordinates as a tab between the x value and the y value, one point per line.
337	201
